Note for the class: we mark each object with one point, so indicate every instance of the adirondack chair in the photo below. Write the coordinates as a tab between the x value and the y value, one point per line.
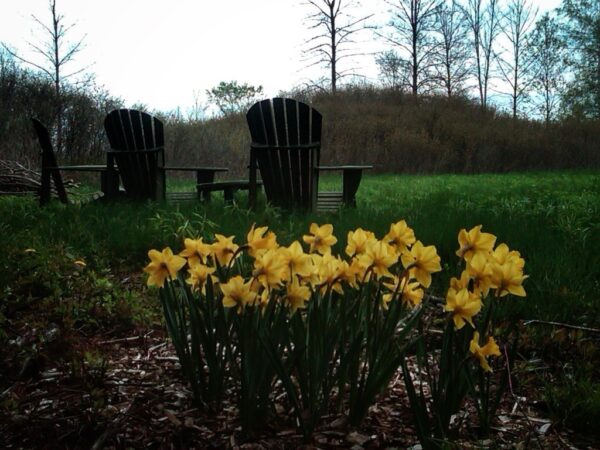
51	171
286	146
137	149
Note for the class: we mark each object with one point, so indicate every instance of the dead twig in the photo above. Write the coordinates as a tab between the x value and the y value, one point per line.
562	325
116	341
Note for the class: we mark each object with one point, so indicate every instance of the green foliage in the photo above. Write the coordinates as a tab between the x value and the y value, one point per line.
50	297
69	291
574	400
564	205
231	97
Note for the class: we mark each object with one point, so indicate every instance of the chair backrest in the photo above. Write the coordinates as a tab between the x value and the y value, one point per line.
48	162
137	146
286	144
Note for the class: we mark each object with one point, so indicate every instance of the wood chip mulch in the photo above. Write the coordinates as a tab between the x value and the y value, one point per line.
137	400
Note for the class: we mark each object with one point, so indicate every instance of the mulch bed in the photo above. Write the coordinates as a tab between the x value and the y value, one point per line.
137	400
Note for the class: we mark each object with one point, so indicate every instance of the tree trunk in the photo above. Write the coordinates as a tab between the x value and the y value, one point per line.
333	50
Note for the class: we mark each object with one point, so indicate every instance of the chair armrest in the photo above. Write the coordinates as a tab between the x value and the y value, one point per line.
86	168
196	169
203	174
146	150
257	146
344	168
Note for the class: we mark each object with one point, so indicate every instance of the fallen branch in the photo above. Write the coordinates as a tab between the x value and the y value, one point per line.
115	341
562	325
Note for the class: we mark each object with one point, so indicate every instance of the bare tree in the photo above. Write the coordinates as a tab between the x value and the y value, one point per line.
54	52
411	27
519	18
197	111
335	27
545	55
452	55
392	69
483	19
580	20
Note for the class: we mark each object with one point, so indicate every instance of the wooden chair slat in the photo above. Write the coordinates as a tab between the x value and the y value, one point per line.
137	142
286	137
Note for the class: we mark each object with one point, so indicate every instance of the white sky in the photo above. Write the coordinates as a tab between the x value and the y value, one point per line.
159	52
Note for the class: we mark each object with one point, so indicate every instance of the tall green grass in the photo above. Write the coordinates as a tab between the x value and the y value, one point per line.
552	218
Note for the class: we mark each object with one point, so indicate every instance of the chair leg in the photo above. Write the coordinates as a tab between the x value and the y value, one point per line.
252	187
228	194
351	181
45	185
204	176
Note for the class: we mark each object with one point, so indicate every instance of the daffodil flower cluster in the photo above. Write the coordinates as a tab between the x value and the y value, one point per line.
488	269
402	264
328	319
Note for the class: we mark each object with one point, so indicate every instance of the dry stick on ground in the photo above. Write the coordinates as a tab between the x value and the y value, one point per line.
562	325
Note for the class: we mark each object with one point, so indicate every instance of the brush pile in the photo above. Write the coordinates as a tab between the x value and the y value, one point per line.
16	179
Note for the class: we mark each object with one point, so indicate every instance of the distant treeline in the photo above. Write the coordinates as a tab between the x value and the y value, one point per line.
394	131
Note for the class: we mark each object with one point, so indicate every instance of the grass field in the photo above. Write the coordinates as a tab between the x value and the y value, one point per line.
553	219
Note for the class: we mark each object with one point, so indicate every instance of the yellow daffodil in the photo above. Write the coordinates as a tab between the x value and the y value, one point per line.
263	298
352	273
259	241
408	291
80	263
482	353
473	242
463	305
422	262
480	272
460	283
400	236
329	271
360	269
199	274
298	262
195	251
270	268
224	248
358	241
508	279
313	278
503	254
321	238
296	295
162	265
237	293
379	256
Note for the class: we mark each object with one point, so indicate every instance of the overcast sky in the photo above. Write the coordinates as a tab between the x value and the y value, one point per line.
160	52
